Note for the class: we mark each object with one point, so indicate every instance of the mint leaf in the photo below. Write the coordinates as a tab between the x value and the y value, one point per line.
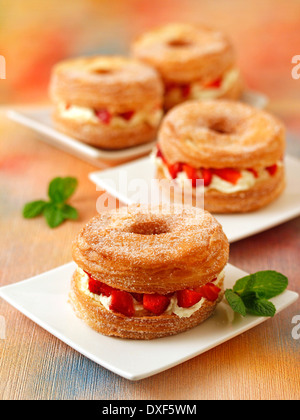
266	284
56	210
60	189
69	212
53	215
235	302
33	209
260	307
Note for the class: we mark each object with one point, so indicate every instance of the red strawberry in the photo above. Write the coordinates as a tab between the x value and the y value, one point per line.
94	286
138	297
207	176
210	291
187	298
155	303
174	169
127	115
104	115
160	155
228	174
122	302
99	288
185	90
272	169
192	174
215	84
255	173
170	86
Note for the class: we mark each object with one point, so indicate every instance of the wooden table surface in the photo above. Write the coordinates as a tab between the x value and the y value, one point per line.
262	363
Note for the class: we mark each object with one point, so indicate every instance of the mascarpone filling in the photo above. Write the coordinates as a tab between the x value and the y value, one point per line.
245	182
198	91
173	307
87	115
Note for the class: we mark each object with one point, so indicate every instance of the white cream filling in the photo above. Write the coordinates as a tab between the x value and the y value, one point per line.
173	307
87	115
199	91
105	300
245	182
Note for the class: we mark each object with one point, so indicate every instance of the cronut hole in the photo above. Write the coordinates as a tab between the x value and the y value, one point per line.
150	228
104	72
221	126
179	43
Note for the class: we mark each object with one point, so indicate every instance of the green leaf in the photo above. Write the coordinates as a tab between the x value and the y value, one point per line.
69	212
235	302
33	209
60	189
260	307
53	215
266	284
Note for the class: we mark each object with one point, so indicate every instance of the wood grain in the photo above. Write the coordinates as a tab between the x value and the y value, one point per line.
262	363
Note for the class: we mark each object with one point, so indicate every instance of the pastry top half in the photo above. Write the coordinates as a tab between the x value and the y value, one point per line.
113	82
183	52
221	134
158	249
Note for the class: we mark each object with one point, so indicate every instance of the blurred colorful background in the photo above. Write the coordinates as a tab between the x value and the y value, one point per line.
36	34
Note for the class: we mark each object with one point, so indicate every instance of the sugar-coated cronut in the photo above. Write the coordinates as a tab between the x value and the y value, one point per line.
107	101
185	54
225	138
152	250
147	255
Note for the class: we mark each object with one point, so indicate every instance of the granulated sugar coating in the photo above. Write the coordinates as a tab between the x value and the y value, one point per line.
148	249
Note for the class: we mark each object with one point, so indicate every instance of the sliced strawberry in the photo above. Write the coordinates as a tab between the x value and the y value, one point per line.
99	288
255	173
187	298
174	169
138	297
170	86
155	303
272	169
127	115
210	291
185	90
160	155
228	174
104	115
94	286
207	176
122	302
214	84
192	174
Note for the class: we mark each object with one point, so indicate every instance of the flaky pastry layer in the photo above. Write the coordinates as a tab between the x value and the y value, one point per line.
146	249
221	134
110	323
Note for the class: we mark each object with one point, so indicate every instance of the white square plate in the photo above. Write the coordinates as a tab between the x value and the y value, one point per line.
236	226
44	298
39	120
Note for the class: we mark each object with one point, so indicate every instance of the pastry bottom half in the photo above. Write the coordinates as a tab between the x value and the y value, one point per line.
105	137
110	323
261	194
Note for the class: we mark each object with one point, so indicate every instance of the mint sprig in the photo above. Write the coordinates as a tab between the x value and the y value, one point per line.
251	293
56	210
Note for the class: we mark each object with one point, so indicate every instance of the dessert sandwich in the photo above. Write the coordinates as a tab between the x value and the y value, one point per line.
148	272
110	102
